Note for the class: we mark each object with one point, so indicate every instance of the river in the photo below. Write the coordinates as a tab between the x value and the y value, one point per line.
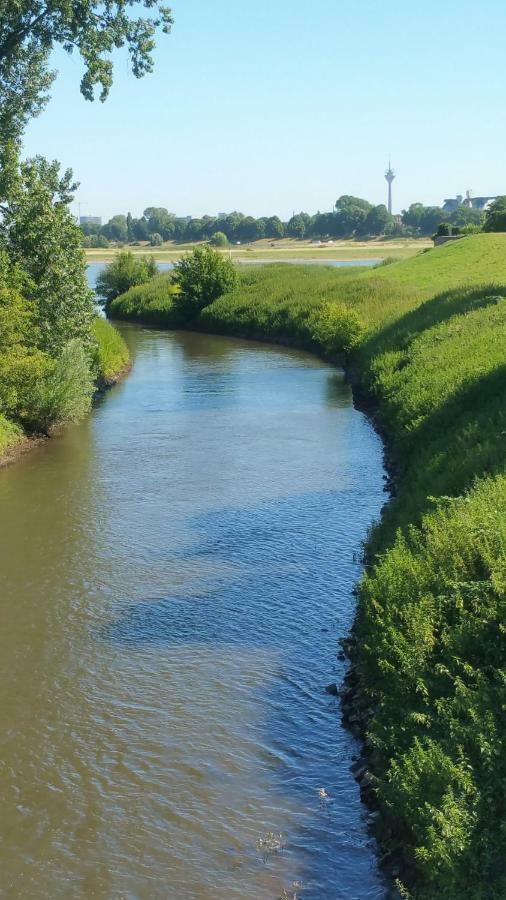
176	572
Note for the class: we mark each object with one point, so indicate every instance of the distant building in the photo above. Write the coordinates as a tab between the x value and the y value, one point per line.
90	220
481	203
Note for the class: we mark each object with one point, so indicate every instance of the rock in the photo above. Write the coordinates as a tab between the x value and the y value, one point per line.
332	689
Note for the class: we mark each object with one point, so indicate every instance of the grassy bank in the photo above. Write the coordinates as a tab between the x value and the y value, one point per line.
113	358
110	362
426	690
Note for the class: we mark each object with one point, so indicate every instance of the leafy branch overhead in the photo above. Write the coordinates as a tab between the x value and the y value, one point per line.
30	29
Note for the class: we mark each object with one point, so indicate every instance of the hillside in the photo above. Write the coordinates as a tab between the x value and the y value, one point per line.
479	258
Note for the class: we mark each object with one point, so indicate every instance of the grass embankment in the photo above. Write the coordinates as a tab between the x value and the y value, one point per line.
111	361
286	248
428	683
113	358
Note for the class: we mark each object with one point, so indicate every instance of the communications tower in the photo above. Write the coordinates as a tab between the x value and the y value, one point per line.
389	176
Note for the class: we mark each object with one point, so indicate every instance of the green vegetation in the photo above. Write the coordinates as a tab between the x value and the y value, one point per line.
428	337
52	349
201	277
495	217
112	358
351	217
51	352
476	259
174	300
125	271
153	303
279	250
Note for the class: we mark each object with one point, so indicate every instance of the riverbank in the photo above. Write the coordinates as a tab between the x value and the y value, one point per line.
281	250
112	363
428	339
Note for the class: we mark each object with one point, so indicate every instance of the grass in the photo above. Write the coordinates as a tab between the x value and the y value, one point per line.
151	303
274	251
70	387
112	354
428	337
471	260
10	435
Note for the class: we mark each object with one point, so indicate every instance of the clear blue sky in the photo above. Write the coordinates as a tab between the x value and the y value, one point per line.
280	105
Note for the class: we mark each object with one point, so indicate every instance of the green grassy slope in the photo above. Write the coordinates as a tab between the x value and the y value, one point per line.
113	358
428	336
470	260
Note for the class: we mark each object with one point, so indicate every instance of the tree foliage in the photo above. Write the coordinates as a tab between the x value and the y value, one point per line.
495	217
42	240
30	29
202	276
125	271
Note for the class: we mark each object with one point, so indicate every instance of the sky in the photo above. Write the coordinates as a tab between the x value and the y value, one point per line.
276	106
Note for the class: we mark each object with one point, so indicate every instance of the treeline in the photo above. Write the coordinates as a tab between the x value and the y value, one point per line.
351	217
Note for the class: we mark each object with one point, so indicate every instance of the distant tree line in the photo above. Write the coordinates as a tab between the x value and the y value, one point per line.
350	217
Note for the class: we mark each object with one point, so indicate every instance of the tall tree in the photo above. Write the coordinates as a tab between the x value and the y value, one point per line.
43	240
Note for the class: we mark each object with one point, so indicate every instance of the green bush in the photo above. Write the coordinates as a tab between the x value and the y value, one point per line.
65	392
125	271
202	276
219	239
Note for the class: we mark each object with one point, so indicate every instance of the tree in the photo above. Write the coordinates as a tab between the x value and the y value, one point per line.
139	230
159	220
116	229
125	271
219	239
156	240
378	220
351	213
42	239
129	221
202	276
30	29
247	230
466	215
424	219
495	216
296	226
274	227
431	217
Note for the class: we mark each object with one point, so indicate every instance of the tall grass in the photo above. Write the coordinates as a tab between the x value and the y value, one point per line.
112	356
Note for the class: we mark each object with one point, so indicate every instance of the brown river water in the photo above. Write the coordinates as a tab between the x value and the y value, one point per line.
175	574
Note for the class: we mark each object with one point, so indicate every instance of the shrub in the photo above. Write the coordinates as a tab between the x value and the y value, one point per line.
156	240
219	239
65	392
202	276
125	271
335	328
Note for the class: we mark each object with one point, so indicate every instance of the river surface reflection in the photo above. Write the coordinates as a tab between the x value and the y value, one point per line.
175	574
